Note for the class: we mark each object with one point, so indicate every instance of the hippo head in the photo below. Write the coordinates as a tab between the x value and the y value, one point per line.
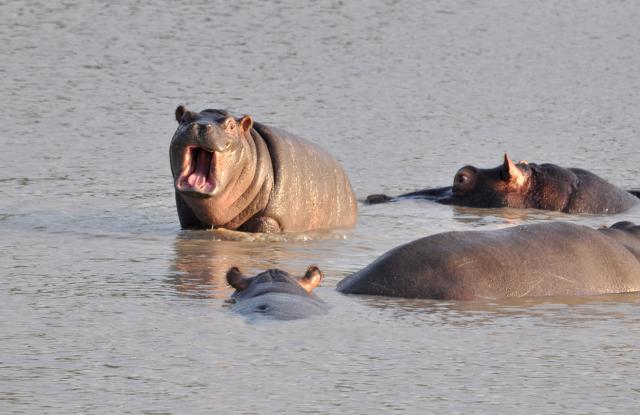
212	160
273	280
503	186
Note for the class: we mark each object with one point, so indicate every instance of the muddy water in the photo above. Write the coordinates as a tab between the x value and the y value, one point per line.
108	307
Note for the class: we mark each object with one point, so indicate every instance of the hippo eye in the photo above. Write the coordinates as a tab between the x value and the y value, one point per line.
461	179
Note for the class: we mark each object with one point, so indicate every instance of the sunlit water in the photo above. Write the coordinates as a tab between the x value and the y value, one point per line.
108	307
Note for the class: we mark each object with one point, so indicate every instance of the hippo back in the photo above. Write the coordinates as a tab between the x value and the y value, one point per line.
596	195
311	189
550	259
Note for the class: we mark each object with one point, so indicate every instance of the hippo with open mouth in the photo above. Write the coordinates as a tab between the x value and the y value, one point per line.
276	294
543	259
237	174
528	185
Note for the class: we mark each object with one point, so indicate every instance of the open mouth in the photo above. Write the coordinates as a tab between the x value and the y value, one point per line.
198	171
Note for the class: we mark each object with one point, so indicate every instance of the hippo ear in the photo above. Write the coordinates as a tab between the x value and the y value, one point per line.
236	279
512	173
246	123
180	112
311	278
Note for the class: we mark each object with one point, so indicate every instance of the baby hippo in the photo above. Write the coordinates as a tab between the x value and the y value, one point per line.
276	294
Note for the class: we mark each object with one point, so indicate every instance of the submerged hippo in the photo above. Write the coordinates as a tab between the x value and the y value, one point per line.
544	259
276	294
235	174
524	185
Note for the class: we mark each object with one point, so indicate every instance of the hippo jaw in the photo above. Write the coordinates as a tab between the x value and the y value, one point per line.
197	175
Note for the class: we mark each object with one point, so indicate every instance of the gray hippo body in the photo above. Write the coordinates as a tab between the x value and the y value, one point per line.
528	185
546	259
235	174
277	295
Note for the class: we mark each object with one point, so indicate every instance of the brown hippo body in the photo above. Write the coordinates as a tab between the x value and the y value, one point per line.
545	259
524	185
236	174
325	199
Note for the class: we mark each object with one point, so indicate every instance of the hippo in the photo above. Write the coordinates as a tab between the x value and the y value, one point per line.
534	260
528	185
275	294
234	173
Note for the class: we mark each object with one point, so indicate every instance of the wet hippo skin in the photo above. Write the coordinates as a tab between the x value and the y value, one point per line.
524	185
275	294
543	259
235	174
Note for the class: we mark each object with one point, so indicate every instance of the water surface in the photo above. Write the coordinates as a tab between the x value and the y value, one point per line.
108	307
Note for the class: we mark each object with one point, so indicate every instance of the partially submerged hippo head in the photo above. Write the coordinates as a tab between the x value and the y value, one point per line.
212	161
273	280
275	293
523	185
538	186
502	186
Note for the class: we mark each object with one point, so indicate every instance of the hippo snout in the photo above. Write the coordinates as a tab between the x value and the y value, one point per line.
203	128
210	137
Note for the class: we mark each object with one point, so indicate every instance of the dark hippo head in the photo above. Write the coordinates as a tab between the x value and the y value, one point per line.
523	185
212	160
502	186
273	280
276	294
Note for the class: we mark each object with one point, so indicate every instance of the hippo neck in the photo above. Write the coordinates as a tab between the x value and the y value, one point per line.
256	196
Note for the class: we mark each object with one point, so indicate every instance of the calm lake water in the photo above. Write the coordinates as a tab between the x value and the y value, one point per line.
108	307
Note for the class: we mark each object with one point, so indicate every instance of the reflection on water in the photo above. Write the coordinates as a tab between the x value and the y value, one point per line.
473	313
513	217
202	259
503	216
201	262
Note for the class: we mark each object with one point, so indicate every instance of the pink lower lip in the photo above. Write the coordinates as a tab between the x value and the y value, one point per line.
198	174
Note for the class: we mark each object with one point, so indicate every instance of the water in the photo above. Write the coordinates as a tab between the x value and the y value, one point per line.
108	307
